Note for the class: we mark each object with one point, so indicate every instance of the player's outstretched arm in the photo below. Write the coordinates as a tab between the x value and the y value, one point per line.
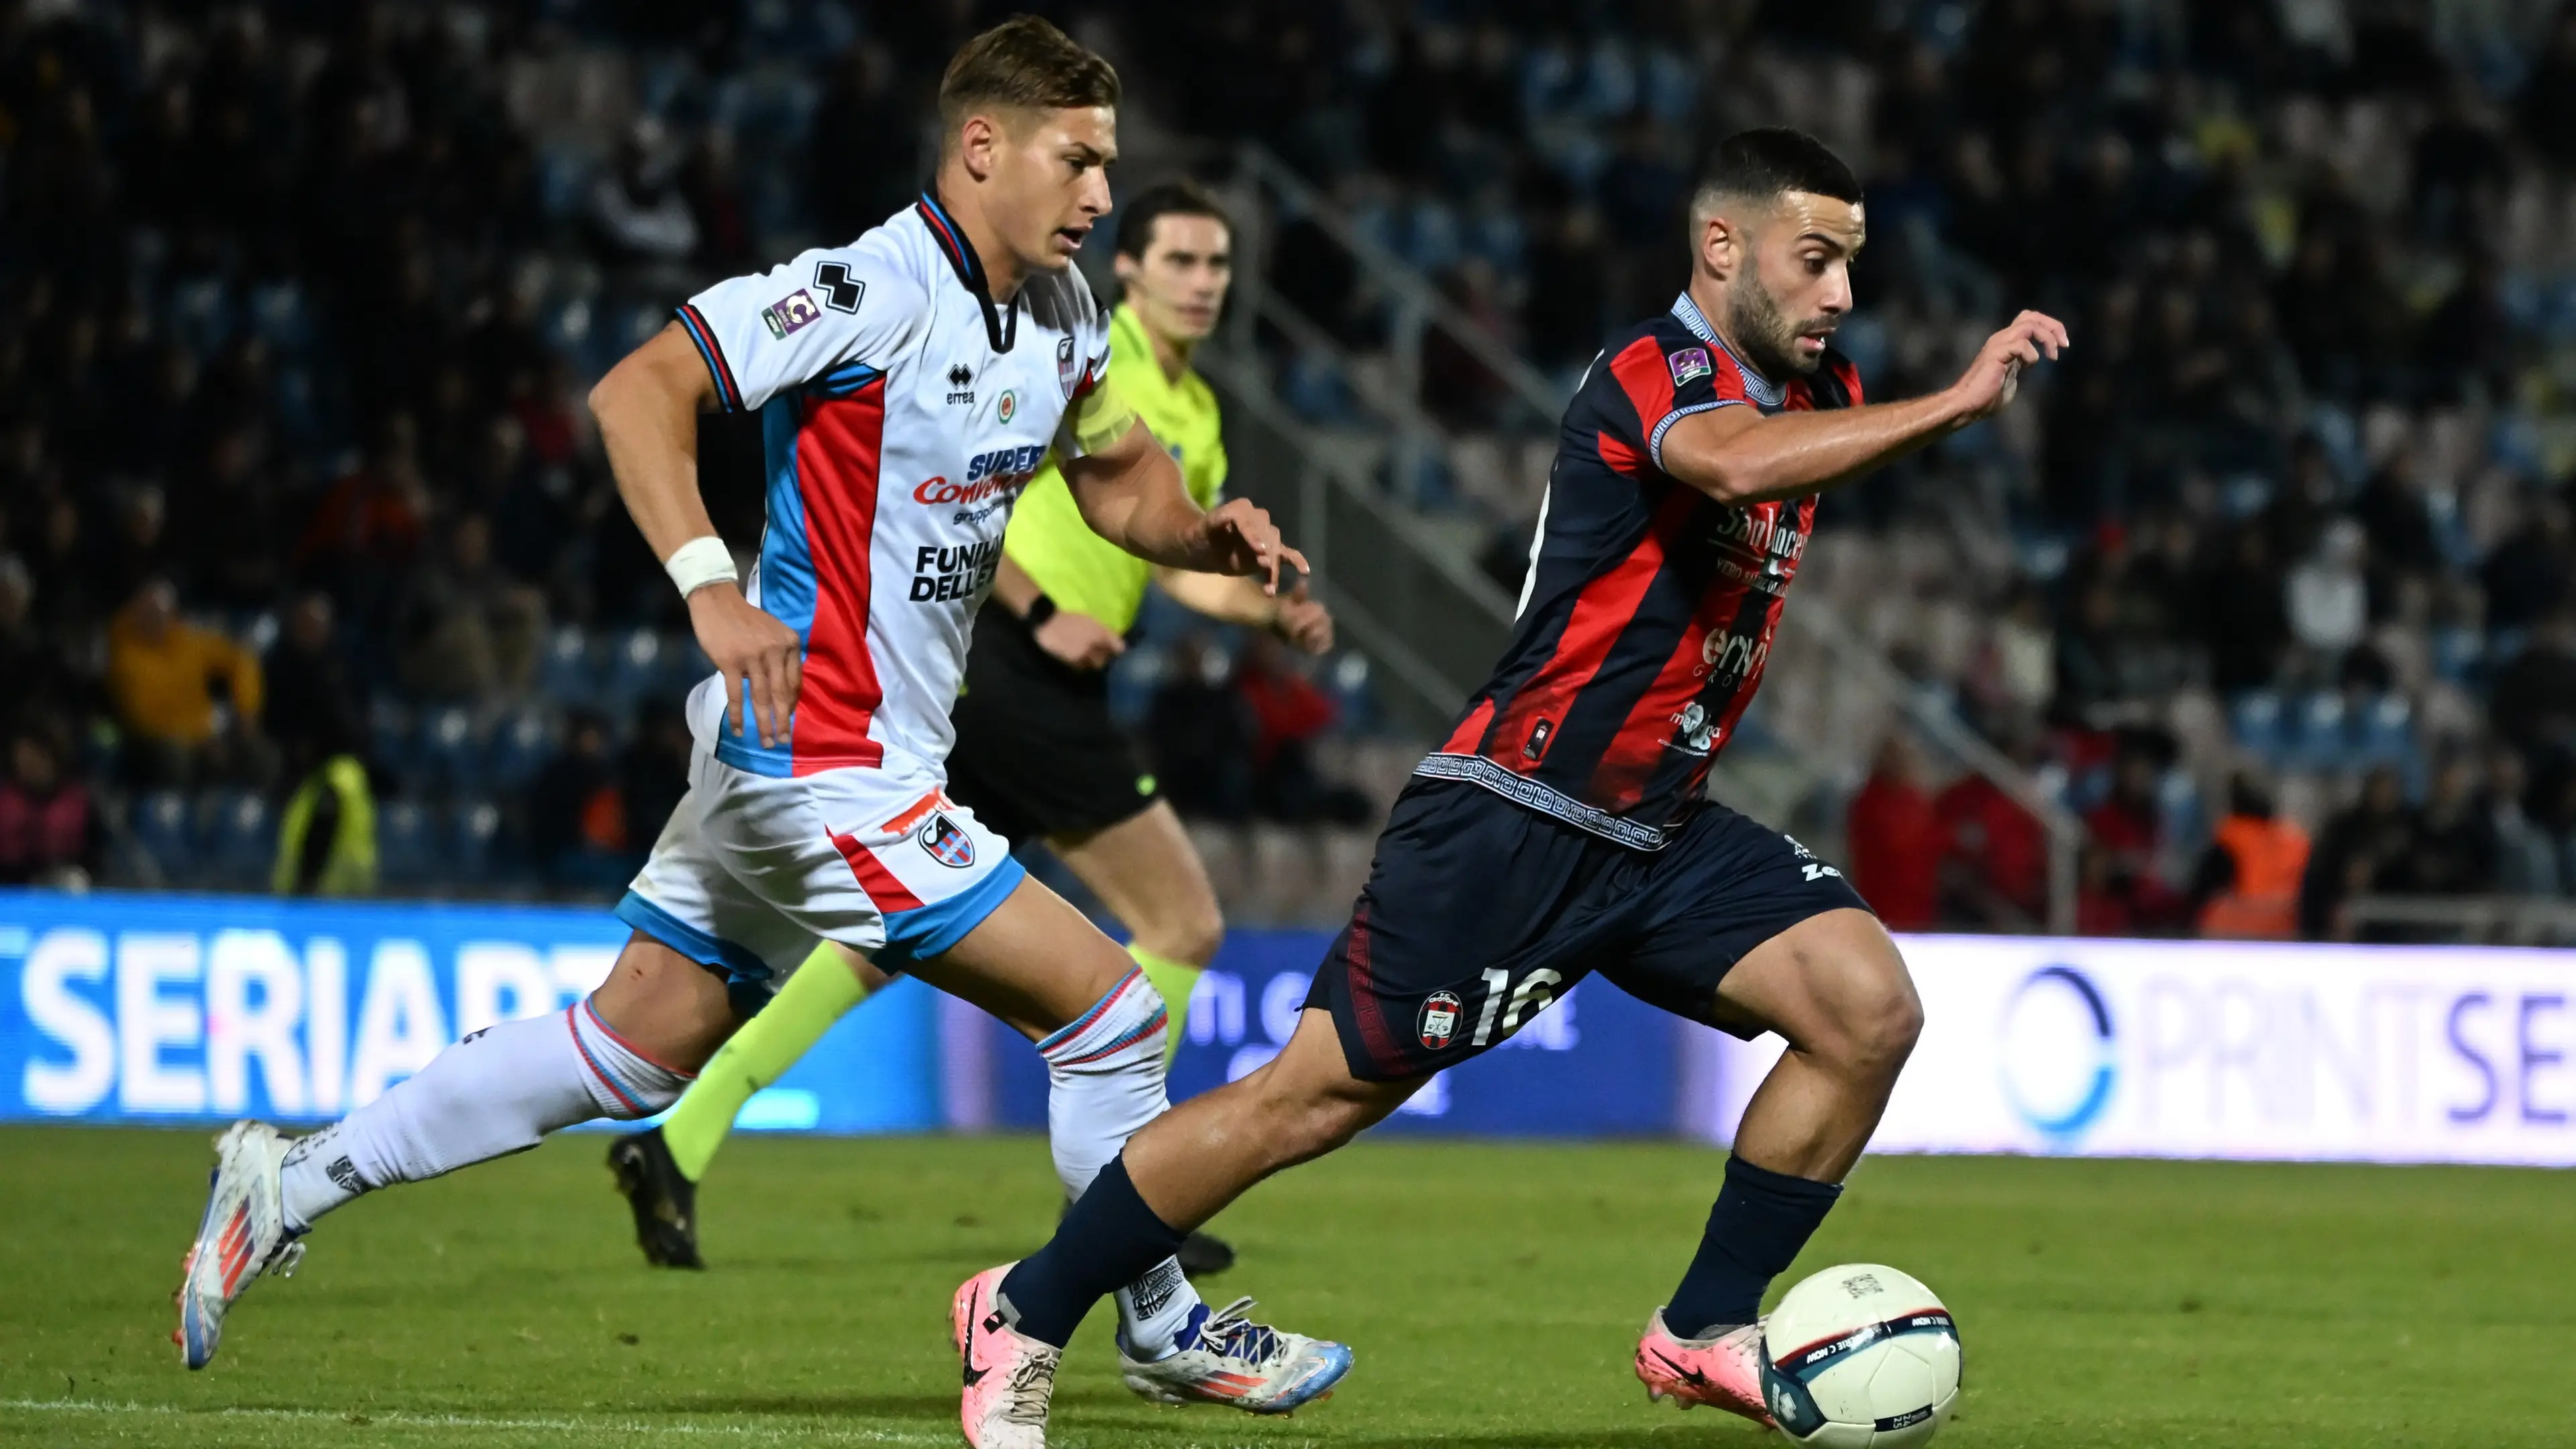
648	407
1130	492
1737	456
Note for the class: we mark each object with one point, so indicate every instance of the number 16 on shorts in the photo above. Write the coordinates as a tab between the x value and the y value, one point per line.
1504	1008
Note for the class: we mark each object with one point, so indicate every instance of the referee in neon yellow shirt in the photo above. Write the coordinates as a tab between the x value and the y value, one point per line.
1037	755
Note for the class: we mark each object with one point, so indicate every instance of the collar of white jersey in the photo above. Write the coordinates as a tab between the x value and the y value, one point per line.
1757	387
1001	324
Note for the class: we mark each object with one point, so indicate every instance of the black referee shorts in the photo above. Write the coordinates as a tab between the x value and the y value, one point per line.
1037	754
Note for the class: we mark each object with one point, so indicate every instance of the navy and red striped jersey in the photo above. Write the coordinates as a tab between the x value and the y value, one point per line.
1650	607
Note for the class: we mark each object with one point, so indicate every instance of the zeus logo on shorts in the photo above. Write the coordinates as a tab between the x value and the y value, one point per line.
947	842
789	313
1438	1023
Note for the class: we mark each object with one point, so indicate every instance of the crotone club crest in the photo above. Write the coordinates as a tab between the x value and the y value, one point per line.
1067	371
947	841
1438	1023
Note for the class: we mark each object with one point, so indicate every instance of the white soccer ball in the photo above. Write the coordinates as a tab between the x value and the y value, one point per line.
1860	1357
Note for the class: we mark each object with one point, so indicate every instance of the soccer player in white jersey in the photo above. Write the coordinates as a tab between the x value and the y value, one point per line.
816	808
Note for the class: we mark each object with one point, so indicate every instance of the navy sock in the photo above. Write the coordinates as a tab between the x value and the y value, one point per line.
1107	1240
1761	1220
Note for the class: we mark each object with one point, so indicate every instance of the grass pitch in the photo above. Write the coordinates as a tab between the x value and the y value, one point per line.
1493	1294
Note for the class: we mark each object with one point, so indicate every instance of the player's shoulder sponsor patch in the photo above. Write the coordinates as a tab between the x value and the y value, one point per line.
790	312
1688	363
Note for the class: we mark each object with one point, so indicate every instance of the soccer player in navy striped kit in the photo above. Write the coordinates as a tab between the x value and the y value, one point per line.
1561	829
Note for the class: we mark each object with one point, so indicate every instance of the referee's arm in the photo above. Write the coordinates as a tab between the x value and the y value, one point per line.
1291	615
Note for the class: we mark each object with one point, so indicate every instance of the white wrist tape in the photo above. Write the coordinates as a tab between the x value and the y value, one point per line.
698	563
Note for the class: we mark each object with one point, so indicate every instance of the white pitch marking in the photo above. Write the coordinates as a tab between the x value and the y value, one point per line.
400	1419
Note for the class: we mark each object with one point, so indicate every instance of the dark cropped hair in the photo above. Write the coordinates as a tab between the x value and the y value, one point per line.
1765	162
1024	64
1172	198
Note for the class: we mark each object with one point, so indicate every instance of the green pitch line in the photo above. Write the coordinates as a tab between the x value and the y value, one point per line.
1493	1294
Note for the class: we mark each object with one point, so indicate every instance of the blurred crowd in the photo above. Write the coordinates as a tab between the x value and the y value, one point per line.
297	301
310	570
2291	516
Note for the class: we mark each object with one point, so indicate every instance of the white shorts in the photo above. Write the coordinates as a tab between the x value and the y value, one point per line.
752	870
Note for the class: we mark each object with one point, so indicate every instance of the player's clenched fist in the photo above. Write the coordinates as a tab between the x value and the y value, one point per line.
1239	538
761	659
1990	382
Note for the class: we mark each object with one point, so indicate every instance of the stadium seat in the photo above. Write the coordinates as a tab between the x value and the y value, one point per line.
448	752
2255	717
565	675
1347	675
683	665
2459	653
474	830
2317	737
240	834
2386	732
161	827
402	843
389	737
521	745
280	318
635	669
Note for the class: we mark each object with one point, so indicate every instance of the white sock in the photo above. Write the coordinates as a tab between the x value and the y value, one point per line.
496	1092
1105	1080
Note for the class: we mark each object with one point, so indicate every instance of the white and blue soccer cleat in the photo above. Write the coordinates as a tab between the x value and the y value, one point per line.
242	1236
1226	1358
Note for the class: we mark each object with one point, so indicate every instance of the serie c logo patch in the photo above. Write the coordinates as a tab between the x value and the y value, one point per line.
790	312
1688	363
1437	1024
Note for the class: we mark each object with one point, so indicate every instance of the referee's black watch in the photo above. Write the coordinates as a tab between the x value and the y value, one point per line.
1041	609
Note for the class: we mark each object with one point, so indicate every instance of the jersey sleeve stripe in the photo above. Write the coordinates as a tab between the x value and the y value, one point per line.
1655	440
728	392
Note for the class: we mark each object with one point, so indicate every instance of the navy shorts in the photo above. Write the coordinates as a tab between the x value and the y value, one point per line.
1478	913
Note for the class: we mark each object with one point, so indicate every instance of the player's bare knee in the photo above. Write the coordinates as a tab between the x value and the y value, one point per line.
1192	935
1879	1023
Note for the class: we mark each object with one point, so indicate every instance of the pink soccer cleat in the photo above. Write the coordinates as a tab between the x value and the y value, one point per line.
1725	1371
1009	1378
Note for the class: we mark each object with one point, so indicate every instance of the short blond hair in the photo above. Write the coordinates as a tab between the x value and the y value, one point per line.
1022	64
